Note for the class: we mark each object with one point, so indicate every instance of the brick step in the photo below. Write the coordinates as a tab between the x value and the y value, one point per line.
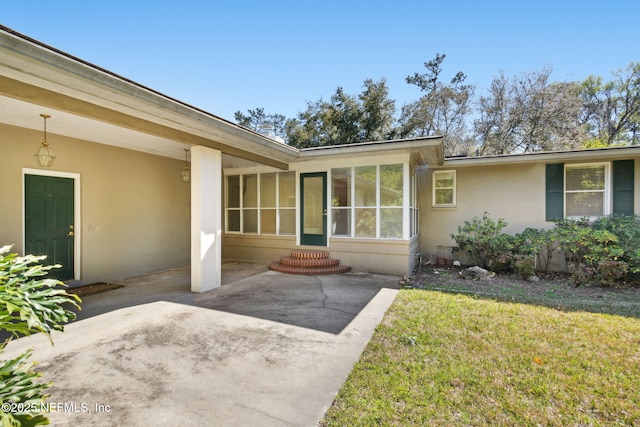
311	262
309	271
309	254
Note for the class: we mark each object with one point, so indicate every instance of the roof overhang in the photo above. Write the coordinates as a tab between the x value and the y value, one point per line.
546	157
422	151
90	103
93	104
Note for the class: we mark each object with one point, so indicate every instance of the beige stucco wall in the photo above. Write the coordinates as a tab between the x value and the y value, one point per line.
138	201
253	247
515	192
364	255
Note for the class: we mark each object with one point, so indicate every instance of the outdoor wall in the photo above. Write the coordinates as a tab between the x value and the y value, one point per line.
263	248
134	206
364	255
372	255
513	192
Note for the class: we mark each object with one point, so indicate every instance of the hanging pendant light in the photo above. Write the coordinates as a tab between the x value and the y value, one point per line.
186	175
45	155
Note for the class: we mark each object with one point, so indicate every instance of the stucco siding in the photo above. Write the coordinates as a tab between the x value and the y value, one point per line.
263	248
513	191
134	206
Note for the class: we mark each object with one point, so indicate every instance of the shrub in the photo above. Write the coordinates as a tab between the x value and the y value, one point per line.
605	251
484	243
591	252
29	304
626	228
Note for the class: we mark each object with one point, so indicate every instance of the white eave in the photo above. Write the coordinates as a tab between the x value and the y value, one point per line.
90	103
36	78
427	150
546	157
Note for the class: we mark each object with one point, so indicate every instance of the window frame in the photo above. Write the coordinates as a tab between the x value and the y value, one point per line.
434	202
258	209
353	208
606	192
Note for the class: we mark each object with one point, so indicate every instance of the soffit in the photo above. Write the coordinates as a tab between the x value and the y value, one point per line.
94	105
596	154
422	151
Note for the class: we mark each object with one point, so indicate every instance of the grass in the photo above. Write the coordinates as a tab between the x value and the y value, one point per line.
443	359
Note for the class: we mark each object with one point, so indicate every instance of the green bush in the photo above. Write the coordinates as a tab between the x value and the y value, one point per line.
627	230
605	251
29	303
483	241
591	253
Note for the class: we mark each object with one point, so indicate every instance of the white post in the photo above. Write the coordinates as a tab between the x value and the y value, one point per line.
206	221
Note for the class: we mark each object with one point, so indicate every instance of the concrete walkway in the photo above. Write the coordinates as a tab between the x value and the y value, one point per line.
265	349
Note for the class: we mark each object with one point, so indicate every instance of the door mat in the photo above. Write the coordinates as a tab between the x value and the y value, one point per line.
94	288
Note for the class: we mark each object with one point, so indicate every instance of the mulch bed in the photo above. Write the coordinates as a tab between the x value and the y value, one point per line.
94	288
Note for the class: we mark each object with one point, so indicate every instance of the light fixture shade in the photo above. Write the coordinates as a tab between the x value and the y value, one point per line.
45	155
186	175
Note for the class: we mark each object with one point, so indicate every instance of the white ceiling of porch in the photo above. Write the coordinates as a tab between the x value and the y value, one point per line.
27	115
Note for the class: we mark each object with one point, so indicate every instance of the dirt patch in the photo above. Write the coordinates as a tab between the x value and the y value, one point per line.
94	288
552	290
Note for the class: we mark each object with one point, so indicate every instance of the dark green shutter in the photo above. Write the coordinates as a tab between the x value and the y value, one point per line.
623	186
555	191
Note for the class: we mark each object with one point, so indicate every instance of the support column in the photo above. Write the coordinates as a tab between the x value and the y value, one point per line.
206	218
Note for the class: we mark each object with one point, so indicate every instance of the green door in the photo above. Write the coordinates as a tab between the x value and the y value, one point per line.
313	223
49	222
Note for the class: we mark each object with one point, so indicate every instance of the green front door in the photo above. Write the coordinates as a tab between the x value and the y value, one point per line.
313	224
49	222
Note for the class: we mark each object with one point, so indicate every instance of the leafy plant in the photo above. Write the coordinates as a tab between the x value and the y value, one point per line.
483	241
605	251
29	303
588	249
627	230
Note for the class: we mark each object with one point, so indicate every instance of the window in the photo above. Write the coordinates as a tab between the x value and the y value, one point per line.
586	191
590	189
414	218
261	203
368	201
444	188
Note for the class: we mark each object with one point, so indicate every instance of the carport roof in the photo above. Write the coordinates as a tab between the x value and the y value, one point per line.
91	103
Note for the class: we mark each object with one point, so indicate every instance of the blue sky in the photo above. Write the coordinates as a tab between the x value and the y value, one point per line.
236	55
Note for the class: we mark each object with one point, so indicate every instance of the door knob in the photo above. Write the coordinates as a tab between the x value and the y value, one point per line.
70	233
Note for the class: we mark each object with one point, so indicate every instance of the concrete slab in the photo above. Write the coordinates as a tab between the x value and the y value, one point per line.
269	350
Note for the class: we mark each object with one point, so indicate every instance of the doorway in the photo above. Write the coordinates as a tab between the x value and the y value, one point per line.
49	222
313	210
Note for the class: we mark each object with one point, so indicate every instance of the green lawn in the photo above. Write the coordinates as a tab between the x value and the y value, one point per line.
441	359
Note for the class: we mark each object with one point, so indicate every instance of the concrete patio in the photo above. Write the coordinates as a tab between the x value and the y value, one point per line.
264	349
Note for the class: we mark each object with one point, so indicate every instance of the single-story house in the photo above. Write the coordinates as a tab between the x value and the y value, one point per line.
113	202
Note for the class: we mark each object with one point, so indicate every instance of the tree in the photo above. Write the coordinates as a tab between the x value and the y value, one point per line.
378	110
345	119
258	120
28	305
611	110
527	113
442	110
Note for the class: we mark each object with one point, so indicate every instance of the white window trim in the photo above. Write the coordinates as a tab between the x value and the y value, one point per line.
242	209
406	209
606	207
433	186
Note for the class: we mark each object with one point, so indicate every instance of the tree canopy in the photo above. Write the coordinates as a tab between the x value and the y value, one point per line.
522	113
